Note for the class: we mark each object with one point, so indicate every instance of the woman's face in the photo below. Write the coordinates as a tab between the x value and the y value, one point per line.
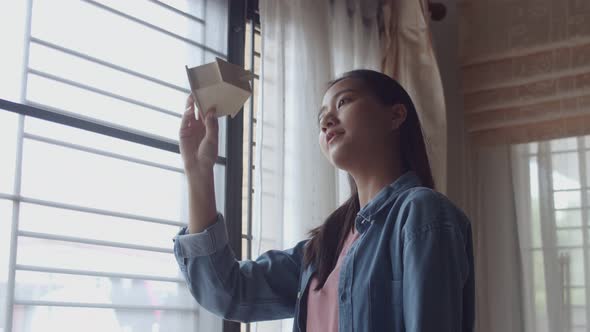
354	126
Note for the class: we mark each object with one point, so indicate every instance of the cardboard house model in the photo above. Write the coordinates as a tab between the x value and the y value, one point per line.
220	84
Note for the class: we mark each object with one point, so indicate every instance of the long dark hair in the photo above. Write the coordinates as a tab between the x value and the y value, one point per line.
327	240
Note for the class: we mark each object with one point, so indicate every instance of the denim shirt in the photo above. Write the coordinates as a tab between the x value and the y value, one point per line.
411	269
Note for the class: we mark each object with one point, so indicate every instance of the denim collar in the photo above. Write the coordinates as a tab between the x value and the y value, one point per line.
408	180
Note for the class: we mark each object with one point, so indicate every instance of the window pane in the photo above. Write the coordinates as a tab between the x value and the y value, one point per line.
567	199
222	136
8	132
161	16
569	237
12	31
41	286
578	296
533	147
568	218
105	79
570	143
42	219
101	142
271	326
77	256
565	171
244	248
256	87
130	45
69	176
100	182
5	228
244	211
64	319
195	8
248	50
115	39
219	173
106	109
578	316
79	101
535	203
576	266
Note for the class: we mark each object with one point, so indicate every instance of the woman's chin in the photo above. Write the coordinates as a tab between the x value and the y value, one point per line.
340	158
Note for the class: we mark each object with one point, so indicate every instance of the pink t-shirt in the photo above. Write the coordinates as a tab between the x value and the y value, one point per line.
322	305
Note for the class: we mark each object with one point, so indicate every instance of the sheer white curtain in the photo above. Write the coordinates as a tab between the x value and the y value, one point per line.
354	45
497	262
304	45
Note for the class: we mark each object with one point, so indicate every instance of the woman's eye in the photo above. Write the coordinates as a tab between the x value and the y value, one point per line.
341	102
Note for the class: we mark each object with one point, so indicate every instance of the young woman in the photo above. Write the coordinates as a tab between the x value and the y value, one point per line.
396	256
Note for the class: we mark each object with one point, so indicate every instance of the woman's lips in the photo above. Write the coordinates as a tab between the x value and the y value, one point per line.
332	137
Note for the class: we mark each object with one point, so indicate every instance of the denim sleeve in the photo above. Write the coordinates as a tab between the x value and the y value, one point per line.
436	269
245	291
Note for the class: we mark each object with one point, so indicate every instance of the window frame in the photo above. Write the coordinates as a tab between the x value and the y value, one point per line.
249	141
234	165
556	257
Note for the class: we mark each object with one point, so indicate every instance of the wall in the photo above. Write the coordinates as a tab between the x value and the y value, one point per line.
526	69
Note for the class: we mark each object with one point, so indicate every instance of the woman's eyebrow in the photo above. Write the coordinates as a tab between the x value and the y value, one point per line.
323	108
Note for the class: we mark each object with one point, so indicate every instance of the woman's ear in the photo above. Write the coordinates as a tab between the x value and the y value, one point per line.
398	116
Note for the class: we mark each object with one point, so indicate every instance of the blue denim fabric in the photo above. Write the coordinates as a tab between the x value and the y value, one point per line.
410	270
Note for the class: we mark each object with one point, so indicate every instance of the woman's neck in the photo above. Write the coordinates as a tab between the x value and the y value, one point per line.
371	179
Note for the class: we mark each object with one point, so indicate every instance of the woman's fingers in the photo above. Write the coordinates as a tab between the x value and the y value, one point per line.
190	102
188	121
212	125
201	115
190	106
198	136
191	125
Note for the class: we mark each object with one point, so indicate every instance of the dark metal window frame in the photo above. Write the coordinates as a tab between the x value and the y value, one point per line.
253	17
235	130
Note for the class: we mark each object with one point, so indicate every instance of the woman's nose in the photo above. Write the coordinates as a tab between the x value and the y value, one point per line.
327	121
326	124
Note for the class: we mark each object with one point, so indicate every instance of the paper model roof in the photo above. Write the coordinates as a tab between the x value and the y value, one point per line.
220	84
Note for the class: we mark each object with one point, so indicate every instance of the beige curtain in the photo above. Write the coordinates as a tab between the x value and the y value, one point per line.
408	56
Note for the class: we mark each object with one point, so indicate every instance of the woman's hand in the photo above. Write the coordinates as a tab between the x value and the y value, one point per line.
198	140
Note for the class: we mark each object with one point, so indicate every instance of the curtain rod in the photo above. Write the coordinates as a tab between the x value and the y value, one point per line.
437	10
